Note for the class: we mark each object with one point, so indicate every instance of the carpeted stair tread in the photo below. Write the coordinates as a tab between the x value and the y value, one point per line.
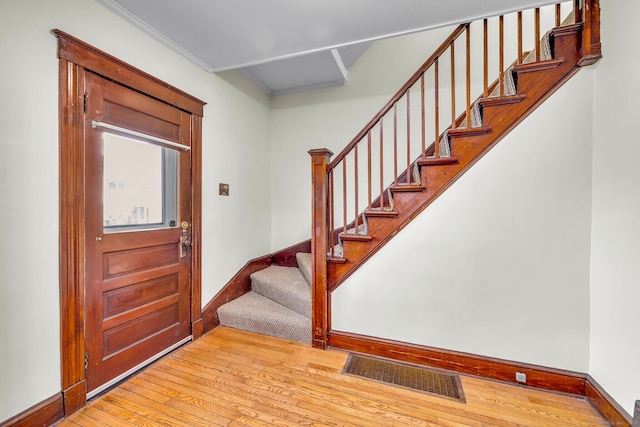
285	286
338	251
256	313
304	264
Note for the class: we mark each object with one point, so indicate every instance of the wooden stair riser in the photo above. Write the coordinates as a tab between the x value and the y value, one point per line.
566	45
356	248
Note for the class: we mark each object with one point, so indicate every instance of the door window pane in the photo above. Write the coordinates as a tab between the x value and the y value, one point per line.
139	184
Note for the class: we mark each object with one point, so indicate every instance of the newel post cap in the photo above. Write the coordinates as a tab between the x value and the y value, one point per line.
321	152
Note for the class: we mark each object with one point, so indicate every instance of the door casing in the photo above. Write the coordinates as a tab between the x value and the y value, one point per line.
75	59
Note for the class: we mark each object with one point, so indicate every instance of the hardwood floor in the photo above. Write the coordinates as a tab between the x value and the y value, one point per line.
236	378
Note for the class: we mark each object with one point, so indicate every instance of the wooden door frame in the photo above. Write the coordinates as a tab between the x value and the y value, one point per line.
75	59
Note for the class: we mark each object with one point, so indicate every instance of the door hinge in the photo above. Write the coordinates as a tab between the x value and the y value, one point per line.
86	97
86	361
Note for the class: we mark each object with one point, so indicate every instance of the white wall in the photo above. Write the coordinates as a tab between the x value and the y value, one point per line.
615	259
498	265
235	144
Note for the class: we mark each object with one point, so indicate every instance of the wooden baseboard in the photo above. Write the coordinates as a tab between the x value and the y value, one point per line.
196	329
75	397
464	363
606	405
45	413
539	377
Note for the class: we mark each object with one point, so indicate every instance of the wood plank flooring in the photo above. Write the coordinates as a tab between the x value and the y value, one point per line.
235	378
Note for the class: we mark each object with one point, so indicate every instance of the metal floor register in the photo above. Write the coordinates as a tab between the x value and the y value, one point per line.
405	375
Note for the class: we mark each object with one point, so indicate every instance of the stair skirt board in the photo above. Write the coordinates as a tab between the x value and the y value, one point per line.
405	375
256	313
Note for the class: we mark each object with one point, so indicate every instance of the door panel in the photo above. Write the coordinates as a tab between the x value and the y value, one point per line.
134	260
127	298
120	335
131	118
137	267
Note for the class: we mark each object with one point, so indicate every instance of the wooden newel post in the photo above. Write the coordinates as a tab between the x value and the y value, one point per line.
591	47
319	301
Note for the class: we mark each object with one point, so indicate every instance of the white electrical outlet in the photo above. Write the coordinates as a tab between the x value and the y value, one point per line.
521	377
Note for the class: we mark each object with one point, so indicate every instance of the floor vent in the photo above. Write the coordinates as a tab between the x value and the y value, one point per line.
405	375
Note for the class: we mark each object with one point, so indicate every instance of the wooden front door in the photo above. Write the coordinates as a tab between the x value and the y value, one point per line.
138	225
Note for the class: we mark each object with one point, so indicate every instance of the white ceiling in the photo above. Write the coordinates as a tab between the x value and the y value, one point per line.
286	45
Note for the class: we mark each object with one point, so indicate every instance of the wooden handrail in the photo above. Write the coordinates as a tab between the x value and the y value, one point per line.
399	94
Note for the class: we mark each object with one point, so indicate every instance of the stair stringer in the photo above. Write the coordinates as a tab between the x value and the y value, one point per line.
535	83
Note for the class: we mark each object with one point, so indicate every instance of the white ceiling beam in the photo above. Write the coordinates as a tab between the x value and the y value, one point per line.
339	63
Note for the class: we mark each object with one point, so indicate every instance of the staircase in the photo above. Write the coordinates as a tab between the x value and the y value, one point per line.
279	303
432	131
390	172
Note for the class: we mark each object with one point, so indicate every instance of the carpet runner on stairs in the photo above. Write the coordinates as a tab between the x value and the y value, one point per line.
279	303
